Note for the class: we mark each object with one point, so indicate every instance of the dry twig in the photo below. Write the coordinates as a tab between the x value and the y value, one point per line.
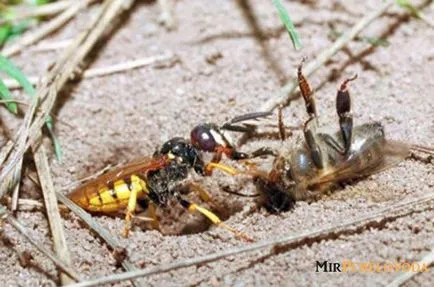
49	9
46	29
21	229
50	46
52	208
63	70
394	211
13	179
428	260
285	96
108	70
111	240
25	204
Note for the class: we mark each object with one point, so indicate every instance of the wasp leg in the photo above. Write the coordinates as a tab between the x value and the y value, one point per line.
215	160
225	168
306	90
193	207
263	151
343	108
136	187
203	194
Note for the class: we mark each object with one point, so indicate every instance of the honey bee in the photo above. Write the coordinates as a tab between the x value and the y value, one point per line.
156	179
325	160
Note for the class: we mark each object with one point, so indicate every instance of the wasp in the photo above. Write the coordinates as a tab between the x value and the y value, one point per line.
325	160
155	180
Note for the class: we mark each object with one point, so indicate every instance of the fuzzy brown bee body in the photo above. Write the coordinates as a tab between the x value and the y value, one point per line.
325	160
370	152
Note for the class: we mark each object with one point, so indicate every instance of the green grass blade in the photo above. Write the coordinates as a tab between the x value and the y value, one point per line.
5	94
5	32
410	8
9	68
284	17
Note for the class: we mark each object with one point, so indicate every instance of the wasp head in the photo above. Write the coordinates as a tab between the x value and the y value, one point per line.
208	137
184	153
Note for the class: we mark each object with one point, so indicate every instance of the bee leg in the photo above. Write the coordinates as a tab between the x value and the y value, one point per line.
306	90
343	108
331	142
193	207
311	140
281	124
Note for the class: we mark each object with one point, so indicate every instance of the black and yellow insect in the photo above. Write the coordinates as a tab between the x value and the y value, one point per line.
158	178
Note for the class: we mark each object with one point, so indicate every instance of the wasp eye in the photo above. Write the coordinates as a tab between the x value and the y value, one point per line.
202	137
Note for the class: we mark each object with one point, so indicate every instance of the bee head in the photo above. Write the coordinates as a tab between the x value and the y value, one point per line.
207	137
183	152
275	198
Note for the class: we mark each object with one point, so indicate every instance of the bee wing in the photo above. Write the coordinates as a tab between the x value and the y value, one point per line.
393	153
139	166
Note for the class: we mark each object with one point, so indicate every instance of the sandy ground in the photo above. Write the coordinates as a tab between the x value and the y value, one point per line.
117	118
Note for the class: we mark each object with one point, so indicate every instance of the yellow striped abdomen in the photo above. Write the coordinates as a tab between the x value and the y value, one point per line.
102	198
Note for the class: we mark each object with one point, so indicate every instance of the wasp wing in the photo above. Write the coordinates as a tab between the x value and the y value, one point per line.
391	154
140	166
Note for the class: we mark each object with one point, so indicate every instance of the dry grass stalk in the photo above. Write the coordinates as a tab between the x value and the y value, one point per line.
111	240
285	95
400	280
45	29
392	212
63	70
4	215
49	9
52	208
108	70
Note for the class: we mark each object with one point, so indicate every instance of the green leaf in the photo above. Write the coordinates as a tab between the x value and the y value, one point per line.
9	68
284	17
408	6
5	94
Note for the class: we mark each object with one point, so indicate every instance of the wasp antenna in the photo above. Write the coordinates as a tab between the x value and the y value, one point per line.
250	116
235	128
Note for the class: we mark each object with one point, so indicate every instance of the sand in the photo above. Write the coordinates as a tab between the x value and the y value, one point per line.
117	118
